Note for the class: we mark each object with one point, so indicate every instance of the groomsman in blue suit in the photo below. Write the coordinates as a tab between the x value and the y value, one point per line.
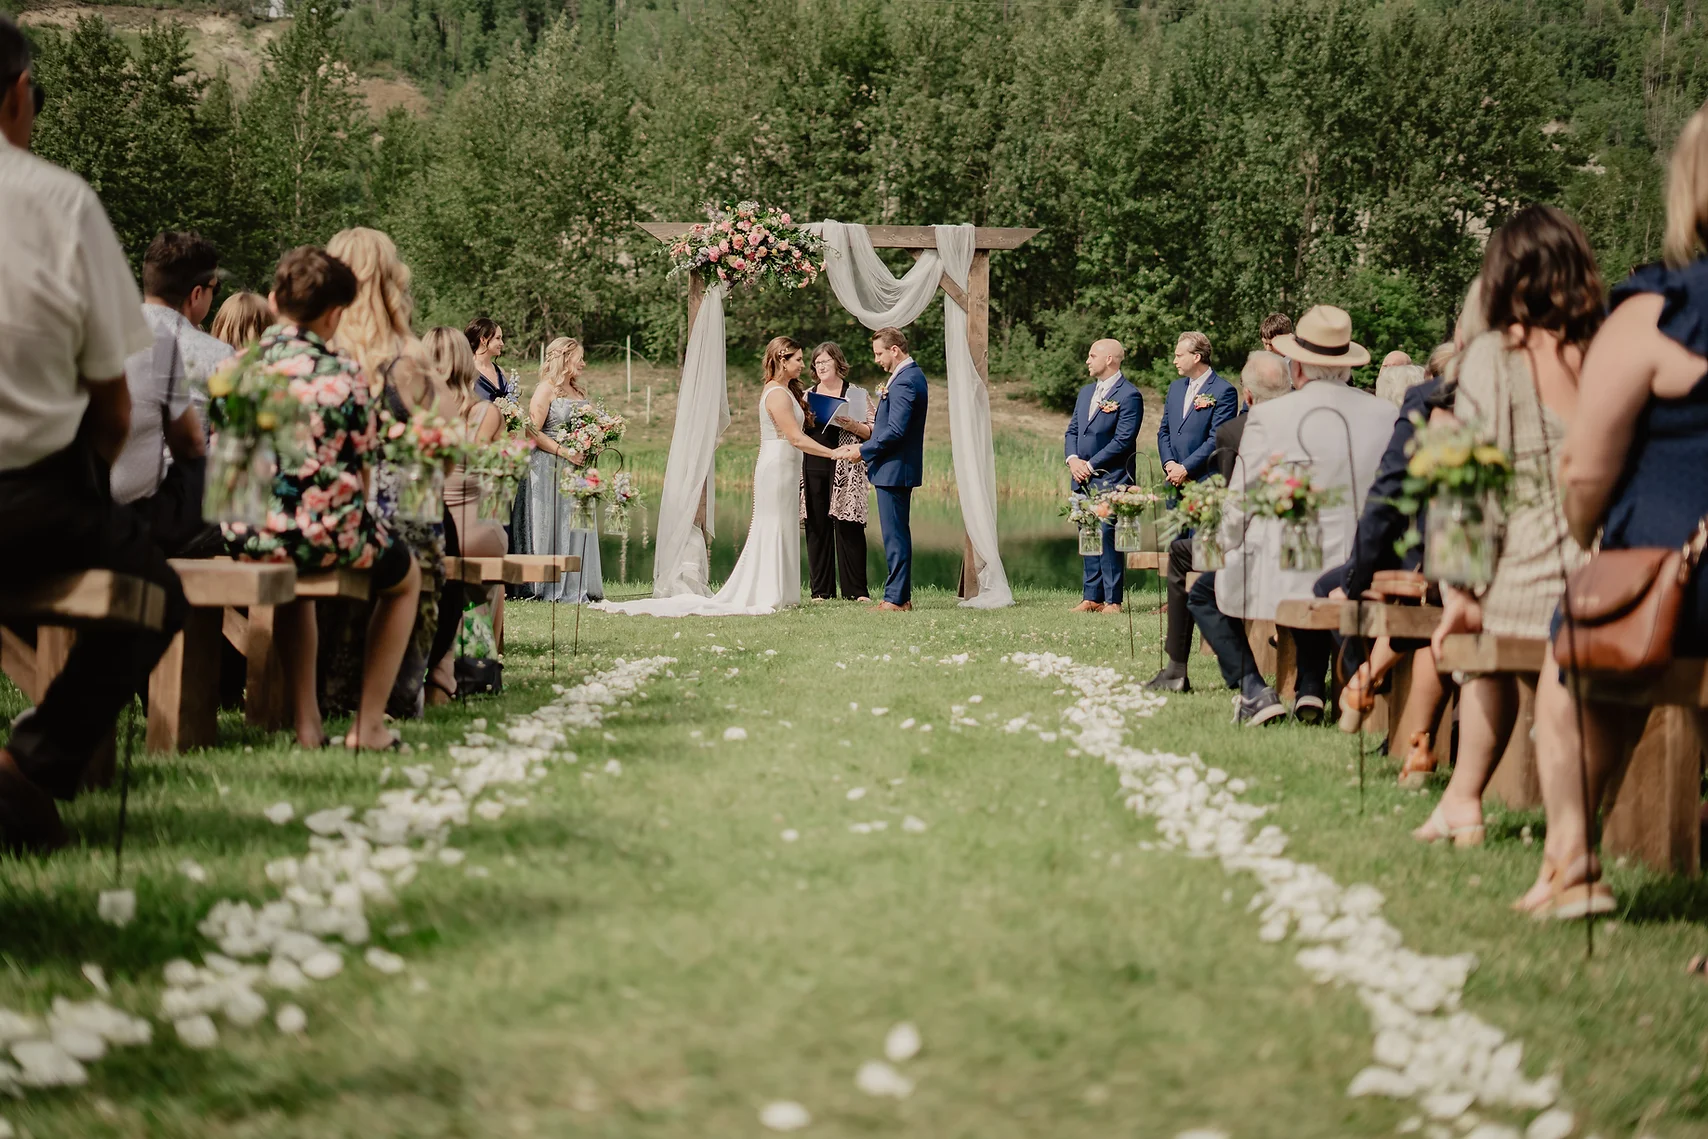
1198	403
895	458
1101	440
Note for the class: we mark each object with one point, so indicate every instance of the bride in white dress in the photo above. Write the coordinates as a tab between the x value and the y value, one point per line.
768	575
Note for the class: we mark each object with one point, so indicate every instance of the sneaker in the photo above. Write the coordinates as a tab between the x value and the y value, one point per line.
1171	679
1264	708
1308	709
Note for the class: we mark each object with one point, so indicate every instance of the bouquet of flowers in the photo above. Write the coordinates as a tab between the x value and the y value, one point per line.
590	431
515	418
586	486
420	440
1198	508
410	479
499	466
1086	511
1465	481
251	400
1285	491
749	244
1133	501
621	497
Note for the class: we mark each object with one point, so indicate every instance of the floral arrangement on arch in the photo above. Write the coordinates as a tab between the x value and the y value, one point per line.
1450	459
1198	507
1285	490
590	431
749	244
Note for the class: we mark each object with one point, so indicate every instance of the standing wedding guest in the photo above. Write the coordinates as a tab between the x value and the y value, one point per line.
72	305
1264	378
318	519
242	319
1631	466
486	341
1273	325
1198	403
1518	384
469	535
168	390
1312	426
549	509
376	331
1101	441
834	492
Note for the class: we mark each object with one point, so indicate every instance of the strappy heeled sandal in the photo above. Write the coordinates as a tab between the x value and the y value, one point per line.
1437	829
1419	764
1572	893
1357	698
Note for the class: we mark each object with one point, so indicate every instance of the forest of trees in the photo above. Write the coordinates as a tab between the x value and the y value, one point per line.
1192	163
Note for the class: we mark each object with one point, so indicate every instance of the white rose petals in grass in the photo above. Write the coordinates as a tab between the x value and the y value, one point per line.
291	1020
734	735
877	1078
784	1115
1426	1047
902	1044
116	907
279	814
855	794
197	1032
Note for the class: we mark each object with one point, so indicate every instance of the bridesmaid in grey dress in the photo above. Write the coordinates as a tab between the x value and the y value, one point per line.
548	510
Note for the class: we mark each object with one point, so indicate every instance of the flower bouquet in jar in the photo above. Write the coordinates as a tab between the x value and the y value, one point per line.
499	467
409	480
1197	510
1466	483
1286	491
255	417
585	486
1088	513
1137	513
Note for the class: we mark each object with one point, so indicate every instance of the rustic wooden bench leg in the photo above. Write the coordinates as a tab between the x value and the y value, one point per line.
1257	634
1385	718
1656	816
53	646
1286	665
1515	782
183	693
264	680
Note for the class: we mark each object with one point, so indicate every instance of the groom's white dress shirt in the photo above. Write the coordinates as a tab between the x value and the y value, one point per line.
1193	387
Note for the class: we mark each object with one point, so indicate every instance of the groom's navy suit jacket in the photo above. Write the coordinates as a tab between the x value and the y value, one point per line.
1188	436
1106	440
895	454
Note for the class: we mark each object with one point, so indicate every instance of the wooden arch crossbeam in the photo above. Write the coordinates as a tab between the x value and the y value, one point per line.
974	300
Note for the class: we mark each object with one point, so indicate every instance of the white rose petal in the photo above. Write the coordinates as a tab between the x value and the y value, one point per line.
45	1064
1556	1123
734	735
877	1078
291	1019
245	1007
913	825
902	1043
197	1032
279	814
116	907
98	978
856	793
80	1043
385	962
880	711
784	1114
613	767
322	965
791	835
192	870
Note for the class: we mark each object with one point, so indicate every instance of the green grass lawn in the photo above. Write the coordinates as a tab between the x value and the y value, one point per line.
647	956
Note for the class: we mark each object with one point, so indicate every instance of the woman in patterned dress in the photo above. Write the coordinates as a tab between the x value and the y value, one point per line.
834	494
318	519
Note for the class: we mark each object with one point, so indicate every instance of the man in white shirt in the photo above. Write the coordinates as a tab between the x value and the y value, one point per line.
69	315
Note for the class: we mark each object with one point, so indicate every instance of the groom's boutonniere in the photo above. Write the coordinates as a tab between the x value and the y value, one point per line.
1109	407
883	390
1203	401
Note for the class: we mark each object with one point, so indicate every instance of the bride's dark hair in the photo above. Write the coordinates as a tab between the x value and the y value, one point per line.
772	367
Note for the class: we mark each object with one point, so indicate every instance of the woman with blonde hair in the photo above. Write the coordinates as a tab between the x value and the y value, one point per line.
767	576
544	513
1631	467
469	535
242	319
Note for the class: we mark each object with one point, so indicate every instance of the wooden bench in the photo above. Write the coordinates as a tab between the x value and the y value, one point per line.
57	608
183	691
1370	619
264	695
1656	814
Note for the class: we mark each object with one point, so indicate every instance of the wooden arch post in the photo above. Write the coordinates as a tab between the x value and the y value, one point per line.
975	300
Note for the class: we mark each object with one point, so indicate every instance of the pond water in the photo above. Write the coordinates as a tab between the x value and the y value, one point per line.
1038	546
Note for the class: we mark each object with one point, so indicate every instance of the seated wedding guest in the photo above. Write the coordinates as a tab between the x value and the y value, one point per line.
1101	444
834	492
64	417
1310	427
469	535
1273	325
1380	530
168	390
1436	366
376	331
1198	403
242	319
1396	380
1518	385
1263	378
318	519
1631	466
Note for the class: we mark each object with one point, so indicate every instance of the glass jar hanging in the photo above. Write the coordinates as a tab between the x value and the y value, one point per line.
1090	541
240	477
1301	544
1460	541
416	490
1207	552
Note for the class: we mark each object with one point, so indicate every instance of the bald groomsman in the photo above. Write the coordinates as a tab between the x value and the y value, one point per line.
1101	439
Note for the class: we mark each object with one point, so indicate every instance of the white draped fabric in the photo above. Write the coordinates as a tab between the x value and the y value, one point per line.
877	298
680	562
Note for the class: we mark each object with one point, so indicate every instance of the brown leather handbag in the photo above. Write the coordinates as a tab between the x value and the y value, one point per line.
1622	608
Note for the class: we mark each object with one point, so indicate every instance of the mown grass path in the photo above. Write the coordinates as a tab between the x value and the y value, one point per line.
647	956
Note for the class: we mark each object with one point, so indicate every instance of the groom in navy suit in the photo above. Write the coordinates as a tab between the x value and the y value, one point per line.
1198	403
1100	443
895	458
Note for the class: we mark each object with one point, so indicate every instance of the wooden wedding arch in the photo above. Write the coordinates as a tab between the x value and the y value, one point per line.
916	239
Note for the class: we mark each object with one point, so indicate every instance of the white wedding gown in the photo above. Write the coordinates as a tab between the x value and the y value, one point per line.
767	577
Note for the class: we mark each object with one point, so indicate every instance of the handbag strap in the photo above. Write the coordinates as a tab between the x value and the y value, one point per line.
166	403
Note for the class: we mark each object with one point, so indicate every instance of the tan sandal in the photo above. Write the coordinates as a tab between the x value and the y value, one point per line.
1356	700
1437	829
1573	893
1419	764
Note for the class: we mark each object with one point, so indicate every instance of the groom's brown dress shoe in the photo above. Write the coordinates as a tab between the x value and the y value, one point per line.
29	821
1112	608
1088	607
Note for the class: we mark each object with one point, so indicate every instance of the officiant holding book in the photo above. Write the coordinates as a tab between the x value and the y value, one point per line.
834	493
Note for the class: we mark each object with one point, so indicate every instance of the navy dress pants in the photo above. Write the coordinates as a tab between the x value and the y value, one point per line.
1225	634
1105	574
894	505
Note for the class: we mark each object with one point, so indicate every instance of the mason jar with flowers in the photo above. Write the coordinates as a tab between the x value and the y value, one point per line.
1465	481
257	420
1088	515
1137	511
1286	491
499	467
585	486
409	480
1198	509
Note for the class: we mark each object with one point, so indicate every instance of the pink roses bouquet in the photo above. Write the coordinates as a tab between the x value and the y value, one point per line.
747	244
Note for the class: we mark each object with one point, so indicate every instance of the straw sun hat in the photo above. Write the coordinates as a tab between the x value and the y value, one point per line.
1324	337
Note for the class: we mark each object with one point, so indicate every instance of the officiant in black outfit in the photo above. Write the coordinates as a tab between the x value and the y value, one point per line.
834	494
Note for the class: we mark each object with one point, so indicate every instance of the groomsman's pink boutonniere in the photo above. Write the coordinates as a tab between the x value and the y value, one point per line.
1109	407
1203	401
